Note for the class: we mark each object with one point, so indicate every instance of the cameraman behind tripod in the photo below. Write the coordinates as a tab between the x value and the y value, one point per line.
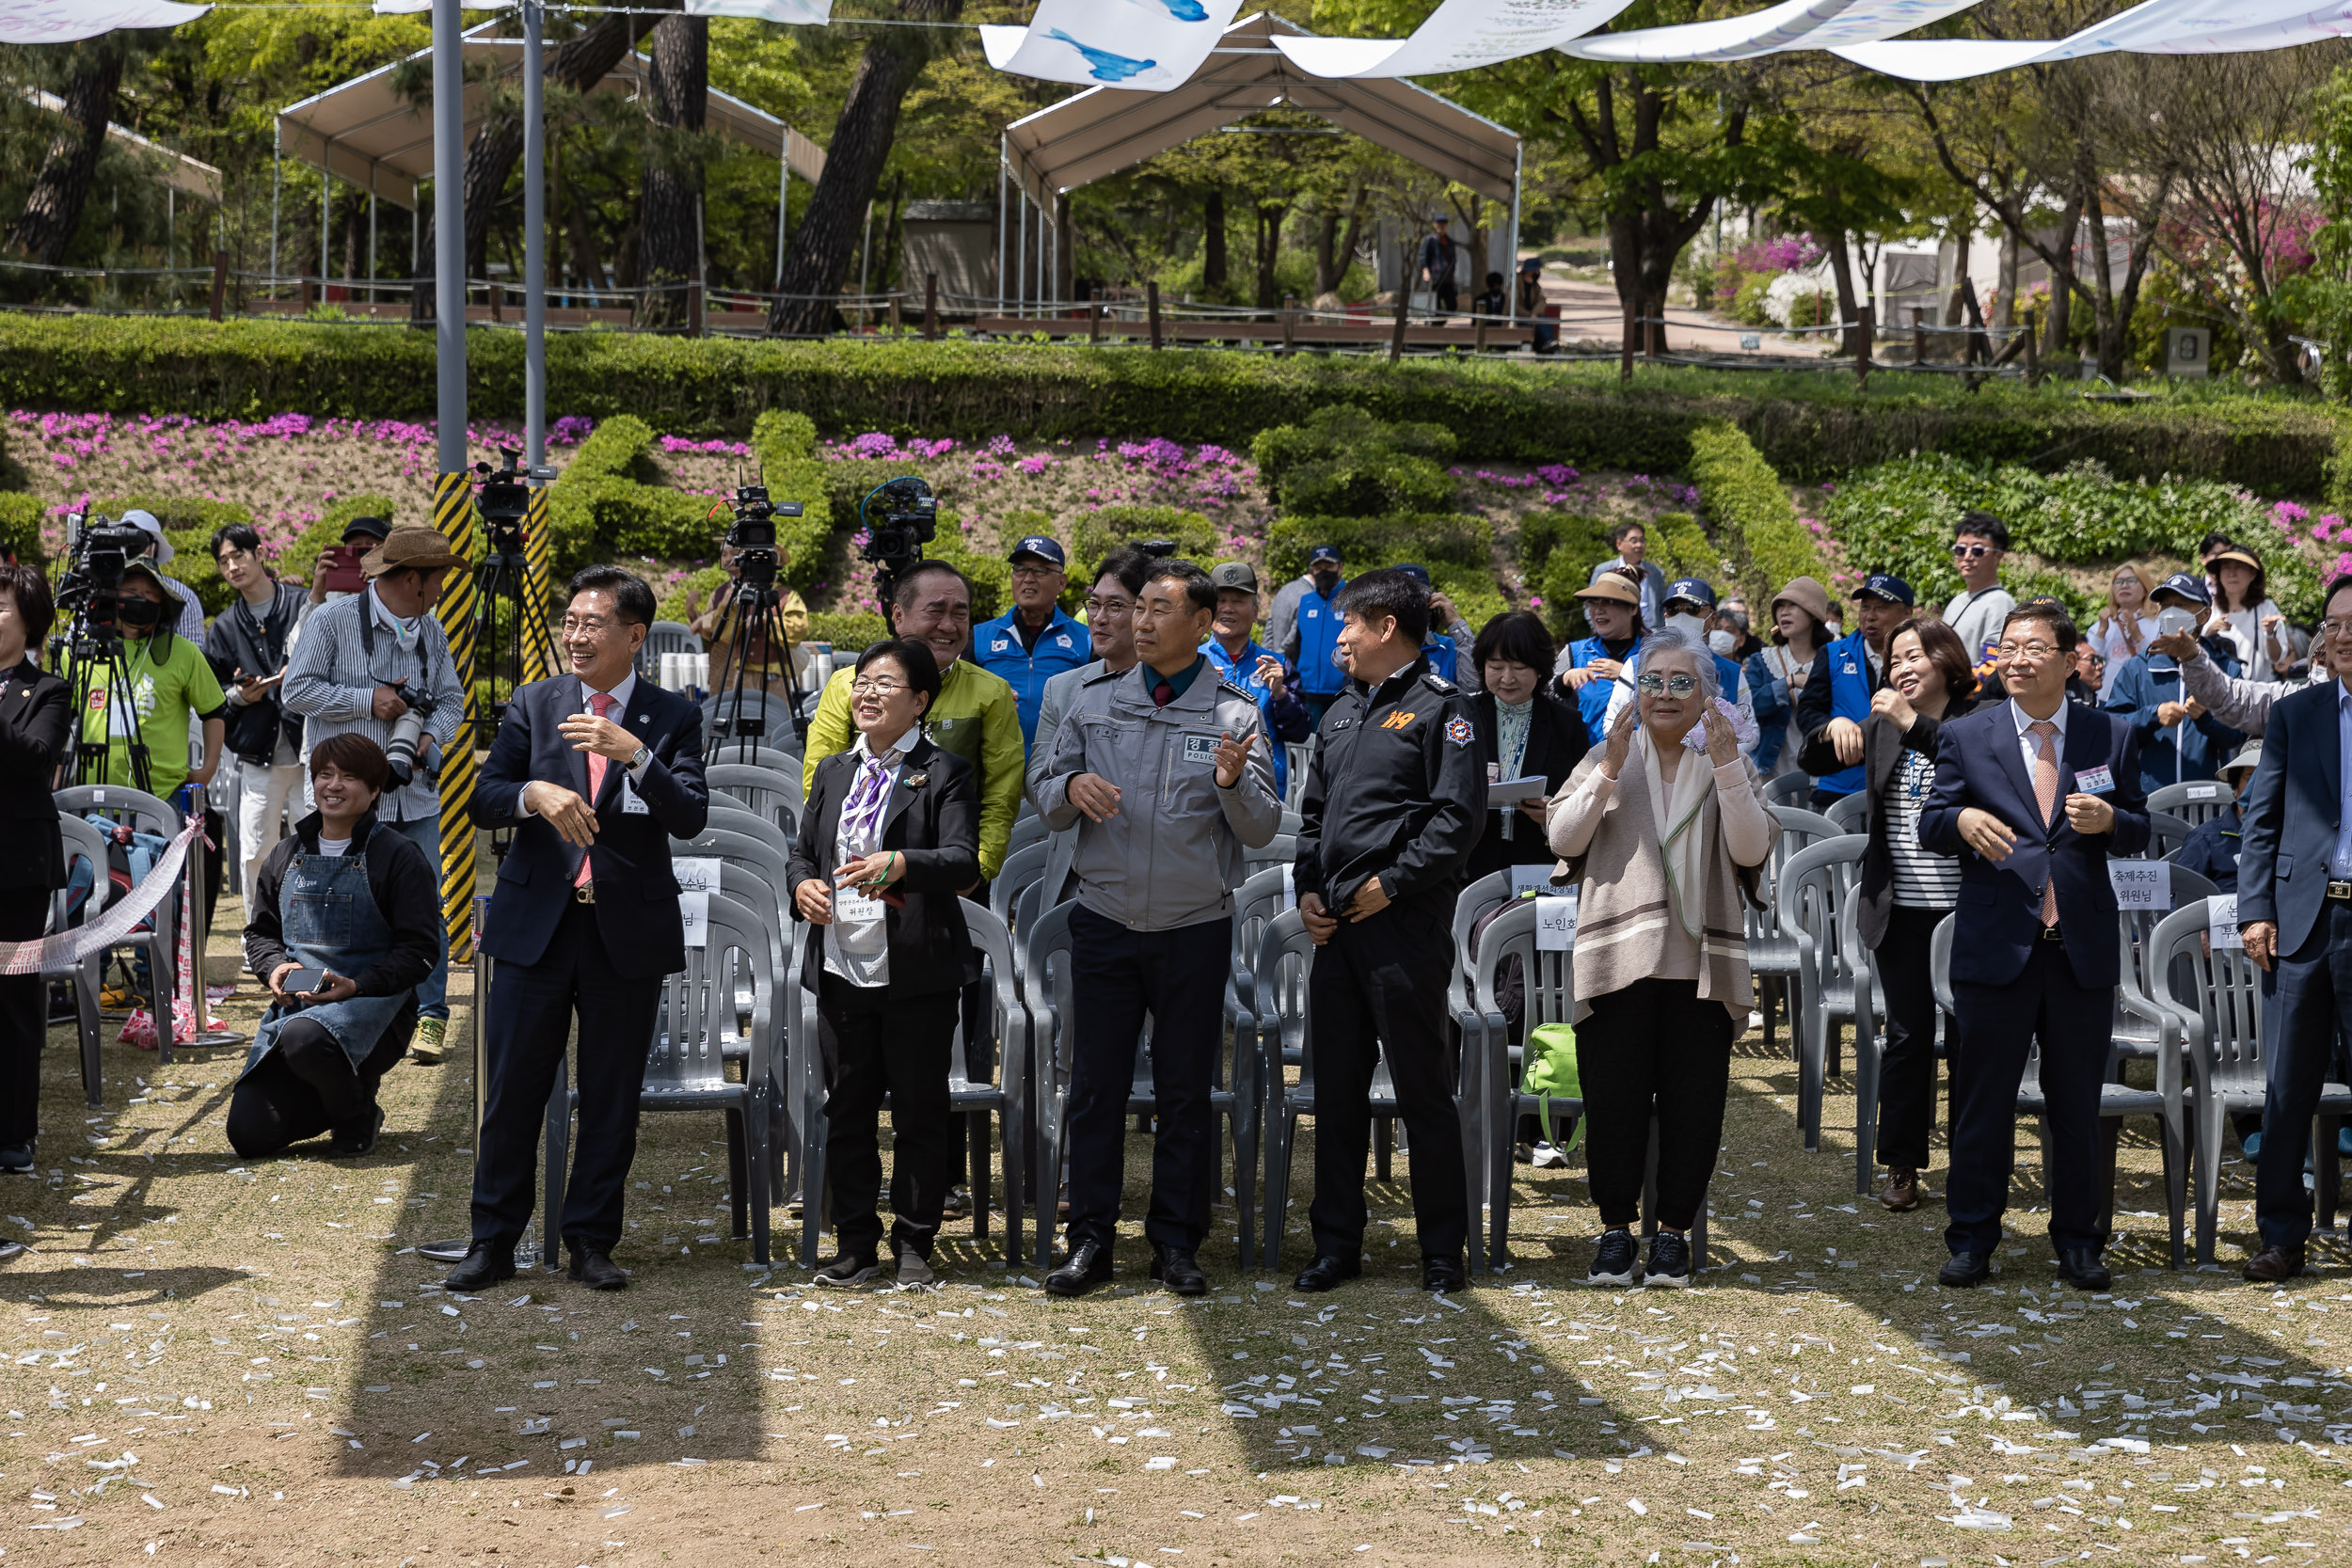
763	666
346	675
167	679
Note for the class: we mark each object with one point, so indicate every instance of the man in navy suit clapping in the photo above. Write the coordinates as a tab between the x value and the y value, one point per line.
2295	906
597	771
2032	795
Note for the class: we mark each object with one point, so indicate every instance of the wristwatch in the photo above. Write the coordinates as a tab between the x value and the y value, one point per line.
643	755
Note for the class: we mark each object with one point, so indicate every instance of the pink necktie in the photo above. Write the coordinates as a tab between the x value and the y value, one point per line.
2046	772
602	703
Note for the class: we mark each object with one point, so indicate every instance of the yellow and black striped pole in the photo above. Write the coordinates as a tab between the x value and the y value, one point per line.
537	640
453	517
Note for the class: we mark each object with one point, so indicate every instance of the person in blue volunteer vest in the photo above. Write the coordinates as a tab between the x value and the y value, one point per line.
1314	635
1588	668
1837	695
1441	645
2178	739
1036	640
1250	665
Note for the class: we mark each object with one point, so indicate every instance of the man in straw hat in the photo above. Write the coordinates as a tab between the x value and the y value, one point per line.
346	675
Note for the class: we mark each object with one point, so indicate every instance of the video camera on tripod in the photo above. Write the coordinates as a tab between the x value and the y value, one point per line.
910	520
90	597
97	551
755	612
753	538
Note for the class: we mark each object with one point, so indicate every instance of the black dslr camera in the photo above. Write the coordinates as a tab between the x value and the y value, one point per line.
910	520
753	536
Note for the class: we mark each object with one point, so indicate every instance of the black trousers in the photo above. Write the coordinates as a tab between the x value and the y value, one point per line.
1116	976
876	1042
530	1013
1379	988
2309	1001
24	1020
1656	1047
1907	1059
2074	1024
305	1087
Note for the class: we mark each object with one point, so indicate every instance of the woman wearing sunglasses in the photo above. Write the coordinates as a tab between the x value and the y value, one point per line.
1663	829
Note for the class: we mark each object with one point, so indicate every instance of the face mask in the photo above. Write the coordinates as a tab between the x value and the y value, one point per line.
1722	641
1693	626
135	610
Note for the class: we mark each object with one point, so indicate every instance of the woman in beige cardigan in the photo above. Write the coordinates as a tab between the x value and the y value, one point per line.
1663	829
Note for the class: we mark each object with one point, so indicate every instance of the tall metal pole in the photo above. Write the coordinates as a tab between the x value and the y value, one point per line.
327	220
1518	174
453	489
784	201
277	187
371	242
534	242
1004	224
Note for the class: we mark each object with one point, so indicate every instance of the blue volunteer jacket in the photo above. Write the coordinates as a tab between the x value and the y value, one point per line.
1593	702
1849	661
1064	644
1318	639
1286	720
2195	749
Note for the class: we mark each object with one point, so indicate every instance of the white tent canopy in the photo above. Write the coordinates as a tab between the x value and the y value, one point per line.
1104	130
366	135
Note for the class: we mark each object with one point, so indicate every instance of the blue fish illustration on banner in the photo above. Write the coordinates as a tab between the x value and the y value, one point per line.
1147	45
1101	64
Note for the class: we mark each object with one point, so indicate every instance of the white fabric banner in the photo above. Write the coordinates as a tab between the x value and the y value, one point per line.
1147	45
2154	27
70	21
1794	24
1458	36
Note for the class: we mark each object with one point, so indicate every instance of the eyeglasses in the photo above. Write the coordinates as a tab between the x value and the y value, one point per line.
2034	651
1970	552
1029	574
593	625
2335	629
1673	686
1096	608
869	687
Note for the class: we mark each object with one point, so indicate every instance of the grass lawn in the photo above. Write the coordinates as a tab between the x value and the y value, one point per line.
221	1363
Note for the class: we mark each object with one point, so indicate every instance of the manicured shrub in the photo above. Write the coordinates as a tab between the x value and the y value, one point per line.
21	517
1460	538
1097	533
1755	523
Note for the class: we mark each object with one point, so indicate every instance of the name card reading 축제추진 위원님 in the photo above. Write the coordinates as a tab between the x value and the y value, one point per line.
2141	884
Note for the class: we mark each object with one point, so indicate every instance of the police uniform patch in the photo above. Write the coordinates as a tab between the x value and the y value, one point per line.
1459	731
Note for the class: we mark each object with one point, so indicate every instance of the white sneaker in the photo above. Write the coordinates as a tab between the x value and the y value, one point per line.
1548	1155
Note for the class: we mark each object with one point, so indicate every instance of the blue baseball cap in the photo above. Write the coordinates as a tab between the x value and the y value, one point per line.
1043	548
1885	585
1697	590
1323	552
2188	585
1412	569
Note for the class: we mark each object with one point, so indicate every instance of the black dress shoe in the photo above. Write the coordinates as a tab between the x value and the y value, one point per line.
1443	1274
1176	1268
1087	1265
594	1267
1326	1272
17	1157
486	1265
2079	1266
2274	1265
1964	1269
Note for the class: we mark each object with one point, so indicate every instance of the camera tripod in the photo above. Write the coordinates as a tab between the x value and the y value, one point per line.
97	654
755	612
503	600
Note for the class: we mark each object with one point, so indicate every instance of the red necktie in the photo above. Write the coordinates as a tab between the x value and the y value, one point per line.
602	703
2045	783
1163	694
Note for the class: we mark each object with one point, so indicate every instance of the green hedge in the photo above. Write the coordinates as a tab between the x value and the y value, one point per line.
789	467
21	517
1755	523
1457	538
1101	532
1340	461
1810	427
847	632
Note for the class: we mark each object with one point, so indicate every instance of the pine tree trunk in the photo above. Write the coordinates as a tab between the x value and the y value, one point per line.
869	124
579	65
54	210
1213	270
669	199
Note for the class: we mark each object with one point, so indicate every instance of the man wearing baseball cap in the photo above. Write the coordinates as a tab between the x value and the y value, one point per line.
1305	629
191	622
346	672
1254	668
1837	695
1036	640
2179	740
1447	632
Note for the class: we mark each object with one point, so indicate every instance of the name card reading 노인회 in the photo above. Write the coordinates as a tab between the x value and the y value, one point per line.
1555	923
2141	884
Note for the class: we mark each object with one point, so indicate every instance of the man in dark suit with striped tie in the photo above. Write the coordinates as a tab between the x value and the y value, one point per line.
597	771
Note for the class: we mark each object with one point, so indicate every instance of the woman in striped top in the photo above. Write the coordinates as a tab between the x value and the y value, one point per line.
1904	890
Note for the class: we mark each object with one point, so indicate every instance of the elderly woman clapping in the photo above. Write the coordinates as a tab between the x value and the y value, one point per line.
1663	829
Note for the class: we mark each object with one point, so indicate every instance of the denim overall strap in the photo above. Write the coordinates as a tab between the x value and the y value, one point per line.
330	920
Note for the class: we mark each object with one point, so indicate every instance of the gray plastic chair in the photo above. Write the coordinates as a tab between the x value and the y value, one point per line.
1790	790
1021	867
83	842
1027	829
1808	895
1774	959
2167	1103
665	636
686	1065
1279	850
2216	996
2193	800
1852	814
144	812
2165	833
770	792
756	874
1285	964
2138	1033
726	814
1297	756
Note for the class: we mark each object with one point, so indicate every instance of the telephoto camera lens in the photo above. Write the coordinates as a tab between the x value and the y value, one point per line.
407	734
